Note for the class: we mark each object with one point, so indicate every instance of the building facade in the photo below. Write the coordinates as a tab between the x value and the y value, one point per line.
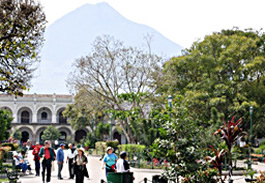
33	113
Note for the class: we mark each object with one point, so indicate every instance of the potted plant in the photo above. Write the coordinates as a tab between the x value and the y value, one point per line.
251	173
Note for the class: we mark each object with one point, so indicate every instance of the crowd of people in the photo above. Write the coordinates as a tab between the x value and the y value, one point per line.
75	158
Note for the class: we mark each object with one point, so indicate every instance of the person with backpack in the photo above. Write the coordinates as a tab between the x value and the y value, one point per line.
122	165
36	158
48	155
109	161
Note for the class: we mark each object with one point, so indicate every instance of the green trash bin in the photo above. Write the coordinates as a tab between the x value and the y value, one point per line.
120	177
158	179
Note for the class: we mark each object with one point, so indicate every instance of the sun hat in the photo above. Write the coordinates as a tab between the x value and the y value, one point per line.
81	149
109	148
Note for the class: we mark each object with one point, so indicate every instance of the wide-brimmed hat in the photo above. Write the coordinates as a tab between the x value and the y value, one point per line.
81	149
15	153
109	148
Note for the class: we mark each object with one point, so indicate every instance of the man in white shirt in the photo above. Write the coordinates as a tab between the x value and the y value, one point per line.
71	153
122	165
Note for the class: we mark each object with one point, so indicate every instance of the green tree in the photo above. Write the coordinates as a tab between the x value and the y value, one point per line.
179	141
112	69
51	133
22	24
225	71
85	111
17	134
5	123
140	116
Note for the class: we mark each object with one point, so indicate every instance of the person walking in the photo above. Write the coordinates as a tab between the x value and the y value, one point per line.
109	161
122	165
36	158
48	155
80	162
71	153
60	160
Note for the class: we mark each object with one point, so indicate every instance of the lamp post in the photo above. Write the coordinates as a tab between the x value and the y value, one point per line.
251	126
110	127
170	99
250	137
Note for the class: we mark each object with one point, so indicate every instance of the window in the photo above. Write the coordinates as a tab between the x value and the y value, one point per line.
25	117
62	136
62	120
44	115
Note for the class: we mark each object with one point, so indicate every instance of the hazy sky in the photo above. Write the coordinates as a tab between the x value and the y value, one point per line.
182	21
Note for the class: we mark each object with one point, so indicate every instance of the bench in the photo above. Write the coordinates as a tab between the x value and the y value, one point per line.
257	157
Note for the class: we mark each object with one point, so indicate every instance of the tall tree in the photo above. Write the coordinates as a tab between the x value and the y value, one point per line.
5	123
22	23
51	133
112	69
226	70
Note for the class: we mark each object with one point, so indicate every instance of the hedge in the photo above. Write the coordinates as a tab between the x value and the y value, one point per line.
114	144
13	146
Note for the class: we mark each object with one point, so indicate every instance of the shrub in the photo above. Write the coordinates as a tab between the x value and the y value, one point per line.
101	146
13	146
5	148
114	144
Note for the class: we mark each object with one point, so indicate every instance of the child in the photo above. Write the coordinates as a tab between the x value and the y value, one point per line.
122	165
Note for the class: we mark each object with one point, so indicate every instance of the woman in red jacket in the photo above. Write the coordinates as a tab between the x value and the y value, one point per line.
36	158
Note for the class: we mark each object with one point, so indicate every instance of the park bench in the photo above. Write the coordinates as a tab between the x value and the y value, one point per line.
257	157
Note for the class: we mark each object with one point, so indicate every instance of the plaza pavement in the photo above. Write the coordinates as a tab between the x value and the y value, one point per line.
96	173
94	166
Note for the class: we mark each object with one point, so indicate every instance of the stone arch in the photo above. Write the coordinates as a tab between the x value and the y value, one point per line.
39	132
25	115
27	133
7	108
80	134
44	115
59	116
117	136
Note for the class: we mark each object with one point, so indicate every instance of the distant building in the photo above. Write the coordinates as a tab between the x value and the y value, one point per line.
33	113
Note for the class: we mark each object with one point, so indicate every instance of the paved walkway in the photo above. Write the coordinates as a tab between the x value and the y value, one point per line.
95	171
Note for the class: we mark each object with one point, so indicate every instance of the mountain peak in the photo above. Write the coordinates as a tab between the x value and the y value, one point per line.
71	37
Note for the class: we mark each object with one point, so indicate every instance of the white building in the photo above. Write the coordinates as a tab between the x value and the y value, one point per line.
33	113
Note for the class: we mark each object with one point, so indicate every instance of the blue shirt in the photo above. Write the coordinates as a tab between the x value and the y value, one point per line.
110	159
60	155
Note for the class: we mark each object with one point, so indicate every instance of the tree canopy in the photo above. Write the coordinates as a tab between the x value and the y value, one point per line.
22	24
51	133
113	69
225	71
5	123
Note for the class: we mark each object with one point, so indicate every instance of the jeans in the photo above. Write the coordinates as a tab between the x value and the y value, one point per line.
60	167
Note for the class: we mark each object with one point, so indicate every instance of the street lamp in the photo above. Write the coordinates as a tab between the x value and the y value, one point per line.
250	138
110	126
170	99
251	128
